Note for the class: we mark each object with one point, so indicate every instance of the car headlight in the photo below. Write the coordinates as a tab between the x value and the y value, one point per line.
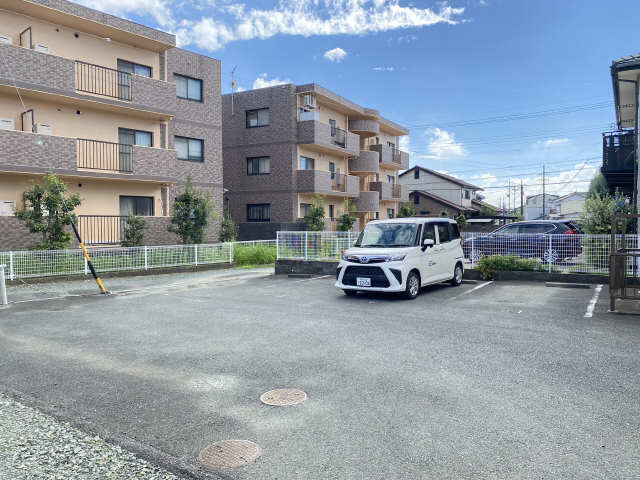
396	258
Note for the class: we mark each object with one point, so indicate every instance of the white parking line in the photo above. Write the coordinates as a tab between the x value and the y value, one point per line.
592	302
482	285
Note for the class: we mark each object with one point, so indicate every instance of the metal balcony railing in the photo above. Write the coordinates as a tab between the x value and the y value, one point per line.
104	81
99	155
339	136
101	229
618	151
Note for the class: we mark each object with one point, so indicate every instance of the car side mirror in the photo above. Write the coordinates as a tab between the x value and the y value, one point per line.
426	243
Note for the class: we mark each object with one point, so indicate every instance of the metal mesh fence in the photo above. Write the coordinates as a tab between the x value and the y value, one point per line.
568	253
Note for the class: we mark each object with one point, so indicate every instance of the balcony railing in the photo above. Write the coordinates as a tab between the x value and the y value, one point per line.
101	229
107	82
99	155
339	137
396	156
618	152
338	182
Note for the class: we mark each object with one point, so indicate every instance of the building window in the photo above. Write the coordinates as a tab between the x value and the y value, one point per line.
258	166
135	68
258	212
305	208
391	144
306	163
391	179
331	211
332	124
416	199
130	205
377	215
332	169
390	212
416	173
127	136
258	118
188	88
189	148
467	195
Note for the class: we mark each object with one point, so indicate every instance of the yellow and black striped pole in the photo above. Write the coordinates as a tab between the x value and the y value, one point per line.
86	256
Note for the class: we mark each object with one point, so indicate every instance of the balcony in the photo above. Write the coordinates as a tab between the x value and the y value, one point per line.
31	152
365	128
326	183
390	192
400	193
367	162
367	202
42	72
391	157
334	140
618	159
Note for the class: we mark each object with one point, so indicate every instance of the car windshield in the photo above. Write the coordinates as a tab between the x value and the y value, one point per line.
388	235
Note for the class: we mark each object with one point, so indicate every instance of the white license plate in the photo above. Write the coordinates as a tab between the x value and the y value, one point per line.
363	282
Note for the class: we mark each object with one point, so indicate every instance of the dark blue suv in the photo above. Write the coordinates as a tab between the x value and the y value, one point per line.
544	239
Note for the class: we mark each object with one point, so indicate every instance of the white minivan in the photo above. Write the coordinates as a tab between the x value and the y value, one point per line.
402	255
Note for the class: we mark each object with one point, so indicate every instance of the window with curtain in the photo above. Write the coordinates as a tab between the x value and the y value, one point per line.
135	68
127	136
258	165
305	208
189	148
188	88
258	212
132	205
257	118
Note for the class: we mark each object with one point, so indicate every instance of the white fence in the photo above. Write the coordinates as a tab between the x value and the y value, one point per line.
45	263
568	253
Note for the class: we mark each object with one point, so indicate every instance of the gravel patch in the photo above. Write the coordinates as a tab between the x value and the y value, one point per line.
36	446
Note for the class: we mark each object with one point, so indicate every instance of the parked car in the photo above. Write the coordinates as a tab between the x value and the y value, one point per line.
545	239
402	255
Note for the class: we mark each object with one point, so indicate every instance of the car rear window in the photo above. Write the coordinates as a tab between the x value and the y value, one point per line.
454	232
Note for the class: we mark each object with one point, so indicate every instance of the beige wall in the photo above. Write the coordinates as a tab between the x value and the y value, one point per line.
86	47
337	202
385	172
99	197
382	138
91	124
322	159
383	209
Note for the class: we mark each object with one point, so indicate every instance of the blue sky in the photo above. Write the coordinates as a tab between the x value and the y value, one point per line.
457	74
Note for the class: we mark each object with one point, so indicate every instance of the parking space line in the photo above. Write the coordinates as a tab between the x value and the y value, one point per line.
482	285
592	303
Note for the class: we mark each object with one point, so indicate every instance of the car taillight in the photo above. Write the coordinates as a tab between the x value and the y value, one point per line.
573	232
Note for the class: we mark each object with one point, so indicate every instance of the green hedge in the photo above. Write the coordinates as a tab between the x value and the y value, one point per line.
258	255
496	263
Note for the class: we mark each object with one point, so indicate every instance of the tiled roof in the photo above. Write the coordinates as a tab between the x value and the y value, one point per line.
444	176
444	201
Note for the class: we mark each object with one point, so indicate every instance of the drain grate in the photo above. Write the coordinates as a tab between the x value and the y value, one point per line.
282	397
229	454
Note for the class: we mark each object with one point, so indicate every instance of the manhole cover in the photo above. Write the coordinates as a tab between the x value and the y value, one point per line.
229	454
283	396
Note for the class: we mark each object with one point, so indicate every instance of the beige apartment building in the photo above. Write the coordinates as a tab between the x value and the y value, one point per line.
110	106
285	144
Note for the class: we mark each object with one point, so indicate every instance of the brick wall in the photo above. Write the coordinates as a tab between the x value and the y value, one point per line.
14	235
34	151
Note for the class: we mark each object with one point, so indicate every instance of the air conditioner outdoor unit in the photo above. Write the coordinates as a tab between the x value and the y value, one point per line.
5	39
309	100
6	124
44	128
39	47
7	208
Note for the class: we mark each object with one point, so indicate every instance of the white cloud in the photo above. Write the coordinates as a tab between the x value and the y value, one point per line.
553	141
442	144
383	69
335	55
262	81
307	18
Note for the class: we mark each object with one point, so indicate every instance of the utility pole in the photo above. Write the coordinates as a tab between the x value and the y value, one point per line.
543	196
521	200
509	193
233	86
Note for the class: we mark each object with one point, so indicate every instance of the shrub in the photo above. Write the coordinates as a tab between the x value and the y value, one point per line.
488	266
228	230
133	231
192	211
258	255
314	219
405	211
461	220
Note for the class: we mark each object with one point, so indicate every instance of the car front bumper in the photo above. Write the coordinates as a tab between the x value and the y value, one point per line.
385	267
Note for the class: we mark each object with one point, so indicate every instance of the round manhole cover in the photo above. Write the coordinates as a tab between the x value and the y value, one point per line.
229	454
281	397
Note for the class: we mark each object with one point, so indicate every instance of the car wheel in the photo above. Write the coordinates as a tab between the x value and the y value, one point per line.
350	293
456	281
413	286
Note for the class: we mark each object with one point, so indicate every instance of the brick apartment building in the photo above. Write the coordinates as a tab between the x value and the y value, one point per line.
110	106
284	144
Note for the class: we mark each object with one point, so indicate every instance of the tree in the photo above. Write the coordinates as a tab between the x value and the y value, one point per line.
444	214
461	220
314	219
405	210
488	211
47	209
599	210
192	212
346	220
228	229
598	186
133	234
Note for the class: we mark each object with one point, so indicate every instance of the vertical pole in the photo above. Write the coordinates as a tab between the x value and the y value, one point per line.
277	245
3	287
473	250
11	275
86	267
306	245
230	252
146	258
613	286
521	200
543	196
195	254
349	239
549	254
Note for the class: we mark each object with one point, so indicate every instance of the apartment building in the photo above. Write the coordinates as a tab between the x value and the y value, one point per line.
110	106
285	144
